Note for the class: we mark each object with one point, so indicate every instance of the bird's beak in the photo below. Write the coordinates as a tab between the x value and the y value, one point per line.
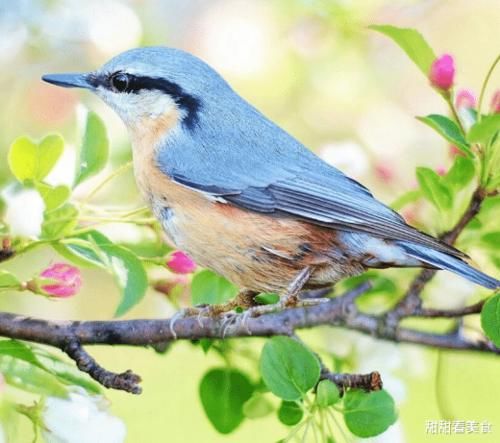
69	80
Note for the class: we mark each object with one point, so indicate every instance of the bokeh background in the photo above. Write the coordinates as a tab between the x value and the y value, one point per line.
313	67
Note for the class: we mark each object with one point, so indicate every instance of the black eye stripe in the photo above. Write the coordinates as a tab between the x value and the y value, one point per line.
187	102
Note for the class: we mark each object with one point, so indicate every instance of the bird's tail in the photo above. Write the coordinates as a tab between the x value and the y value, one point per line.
441	260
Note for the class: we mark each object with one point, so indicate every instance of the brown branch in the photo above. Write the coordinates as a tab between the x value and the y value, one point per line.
6	251
70	336
449	313
126	381
367	382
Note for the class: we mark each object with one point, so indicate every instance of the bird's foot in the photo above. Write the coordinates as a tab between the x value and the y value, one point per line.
284	303
237	320
228	310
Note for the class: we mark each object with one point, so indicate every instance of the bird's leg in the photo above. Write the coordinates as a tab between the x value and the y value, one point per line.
290	299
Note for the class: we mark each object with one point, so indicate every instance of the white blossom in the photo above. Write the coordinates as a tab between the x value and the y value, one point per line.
24	212
81	418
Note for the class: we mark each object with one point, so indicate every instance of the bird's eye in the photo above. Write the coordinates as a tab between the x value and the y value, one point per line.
119	82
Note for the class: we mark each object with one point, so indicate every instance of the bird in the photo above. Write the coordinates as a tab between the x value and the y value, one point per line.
242	196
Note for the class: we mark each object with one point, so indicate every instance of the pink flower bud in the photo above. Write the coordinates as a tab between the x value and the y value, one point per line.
180	263
465	99
67	280
410	215
495	102
454	151
441	170
384	172
442	72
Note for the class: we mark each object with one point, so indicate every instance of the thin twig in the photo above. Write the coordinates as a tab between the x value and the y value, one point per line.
449	313
367	382
126	381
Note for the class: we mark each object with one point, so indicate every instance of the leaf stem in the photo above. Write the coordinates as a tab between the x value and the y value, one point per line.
106	180
337	424
483	87
447	97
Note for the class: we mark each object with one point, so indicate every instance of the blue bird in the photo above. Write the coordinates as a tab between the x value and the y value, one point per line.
241	195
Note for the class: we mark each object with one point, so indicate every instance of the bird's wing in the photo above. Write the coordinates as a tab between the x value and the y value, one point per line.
326	199
244	159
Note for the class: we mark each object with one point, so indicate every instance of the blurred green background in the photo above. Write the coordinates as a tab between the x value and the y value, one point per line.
314	68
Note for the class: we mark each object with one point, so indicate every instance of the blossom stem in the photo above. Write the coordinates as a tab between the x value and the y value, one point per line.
483	87
106	180
447	97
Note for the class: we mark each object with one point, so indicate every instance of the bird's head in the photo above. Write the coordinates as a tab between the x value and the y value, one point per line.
146	84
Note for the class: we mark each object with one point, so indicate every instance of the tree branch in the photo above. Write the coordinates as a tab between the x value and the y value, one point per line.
70	336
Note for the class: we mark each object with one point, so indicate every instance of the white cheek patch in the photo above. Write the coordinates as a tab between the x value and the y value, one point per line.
134	107
156	103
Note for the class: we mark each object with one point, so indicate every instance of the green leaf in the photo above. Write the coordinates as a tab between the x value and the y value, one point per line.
267	298
53	197
96	249
430	183
482	131
206	344
67	372
129	273
368	414
411	42
223	393
491	240
23	375
448	129
288	368
460	174
49	150
490	319
406	199
62	370
380	284
290	413
95	149
81	250
19	350
31	161
8	280
59	222
257	406
327	393
67	252
210	288
22	159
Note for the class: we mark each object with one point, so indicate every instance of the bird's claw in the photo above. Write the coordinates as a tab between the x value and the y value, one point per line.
231	318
